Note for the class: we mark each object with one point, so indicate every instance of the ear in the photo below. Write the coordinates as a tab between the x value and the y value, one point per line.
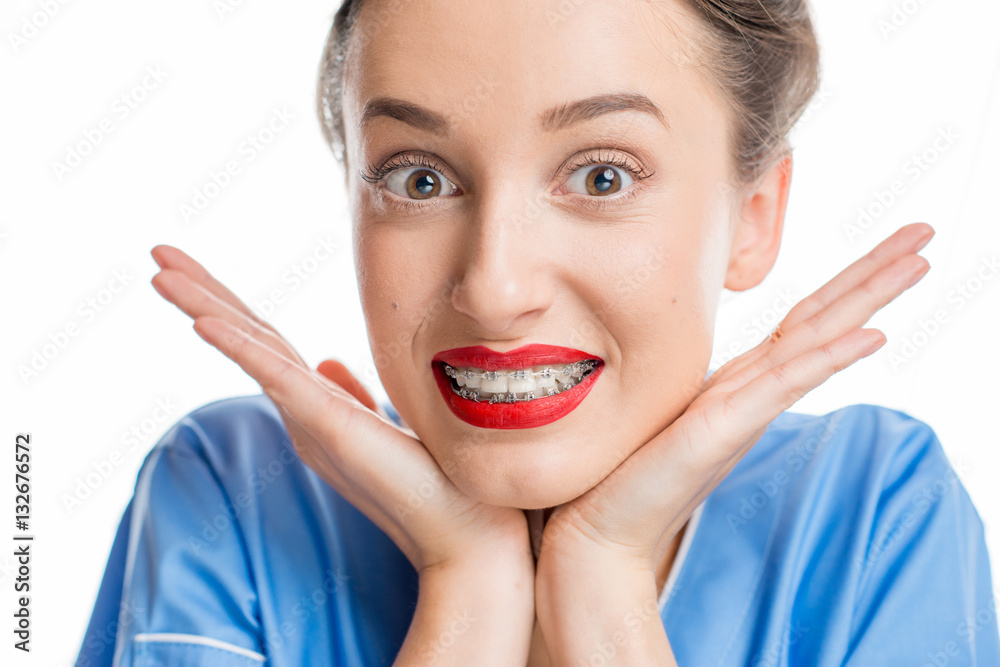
759	221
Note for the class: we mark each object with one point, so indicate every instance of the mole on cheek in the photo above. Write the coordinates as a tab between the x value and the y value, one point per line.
395	305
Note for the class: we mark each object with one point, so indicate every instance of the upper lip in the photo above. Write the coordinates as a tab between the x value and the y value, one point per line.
479	356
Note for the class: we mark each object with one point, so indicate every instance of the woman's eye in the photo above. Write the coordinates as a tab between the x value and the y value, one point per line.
599	181
418	183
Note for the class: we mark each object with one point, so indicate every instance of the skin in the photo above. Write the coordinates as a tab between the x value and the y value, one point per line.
479	265
642	289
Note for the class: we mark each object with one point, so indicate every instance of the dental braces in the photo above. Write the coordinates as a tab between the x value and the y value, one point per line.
581	366
511	397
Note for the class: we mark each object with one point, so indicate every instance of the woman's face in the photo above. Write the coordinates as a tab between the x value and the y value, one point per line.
521	213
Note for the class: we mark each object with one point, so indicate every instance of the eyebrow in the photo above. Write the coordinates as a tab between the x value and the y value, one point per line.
557	118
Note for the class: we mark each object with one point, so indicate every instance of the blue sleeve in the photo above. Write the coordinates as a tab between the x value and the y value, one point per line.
925	594
187	593
97	648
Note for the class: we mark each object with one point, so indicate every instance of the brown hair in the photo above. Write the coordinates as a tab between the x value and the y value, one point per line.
762	55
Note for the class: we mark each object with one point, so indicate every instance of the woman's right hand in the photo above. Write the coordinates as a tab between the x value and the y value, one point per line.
382	470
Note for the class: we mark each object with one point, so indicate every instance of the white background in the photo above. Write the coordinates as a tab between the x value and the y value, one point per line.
884	99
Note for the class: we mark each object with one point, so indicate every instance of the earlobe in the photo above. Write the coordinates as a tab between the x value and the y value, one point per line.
759	223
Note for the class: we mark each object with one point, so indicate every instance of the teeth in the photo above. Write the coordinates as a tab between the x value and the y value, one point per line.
493	382
509	386
468	379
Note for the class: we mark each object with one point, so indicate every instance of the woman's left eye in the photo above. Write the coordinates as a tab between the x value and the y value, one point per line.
600	181
418	183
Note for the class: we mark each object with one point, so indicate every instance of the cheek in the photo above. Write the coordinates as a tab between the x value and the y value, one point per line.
392	267
659	303
658	281
660	314
394	289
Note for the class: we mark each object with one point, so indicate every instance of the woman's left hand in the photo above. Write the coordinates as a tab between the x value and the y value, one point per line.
627	521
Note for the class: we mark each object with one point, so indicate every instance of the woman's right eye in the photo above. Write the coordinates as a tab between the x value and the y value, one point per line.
418	183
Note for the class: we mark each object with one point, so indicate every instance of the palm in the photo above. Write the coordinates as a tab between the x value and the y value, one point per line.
339	431
641	505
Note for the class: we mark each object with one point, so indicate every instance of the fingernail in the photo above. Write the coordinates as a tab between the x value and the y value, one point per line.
155	258
918	274
874	347
924	241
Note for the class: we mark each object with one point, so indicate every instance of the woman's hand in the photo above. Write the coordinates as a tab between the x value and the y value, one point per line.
469	555
627	521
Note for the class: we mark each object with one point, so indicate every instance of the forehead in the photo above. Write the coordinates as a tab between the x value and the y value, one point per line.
513	65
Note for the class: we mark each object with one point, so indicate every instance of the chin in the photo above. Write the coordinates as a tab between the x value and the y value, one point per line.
509	479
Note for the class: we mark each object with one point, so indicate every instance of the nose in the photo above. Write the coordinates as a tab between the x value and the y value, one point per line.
506	270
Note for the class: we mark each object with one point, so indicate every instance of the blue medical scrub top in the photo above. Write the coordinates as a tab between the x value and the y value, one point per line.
841	539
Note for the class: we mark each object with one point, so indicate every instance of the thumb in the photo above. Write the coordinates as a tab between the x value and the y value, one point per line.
336	371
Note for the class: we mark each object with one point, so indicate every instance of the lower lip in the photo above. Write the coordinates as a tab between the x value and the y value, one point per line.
522	414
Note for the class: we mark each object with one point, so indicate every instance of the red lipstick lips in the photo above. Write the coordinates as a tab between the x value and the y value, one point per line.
520	414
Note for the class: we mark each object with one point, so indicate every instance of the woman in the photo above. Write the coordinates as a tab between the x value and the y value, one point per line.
533	237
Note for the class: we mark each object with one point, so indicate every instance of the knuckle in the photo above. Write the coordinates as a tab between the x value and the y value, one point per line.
815	324
806	305
280	375
834	359
237	345
245	329
780	374
868	288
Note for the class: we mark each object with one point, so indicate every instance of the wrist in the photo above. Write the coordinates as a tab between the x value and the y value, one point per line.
495	576
607	577
600	605
478	611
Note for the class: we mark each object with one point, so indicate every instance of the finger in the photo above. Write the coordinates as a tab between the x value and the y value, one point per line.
907	240
333	433
704	444
288	383
755	404
169	257
196	301
338	373
683	464
691	457
352	439
848	312
321	408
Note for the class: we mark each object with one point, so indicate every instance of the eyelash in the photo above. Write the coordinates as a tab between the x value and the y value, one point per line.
376	174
